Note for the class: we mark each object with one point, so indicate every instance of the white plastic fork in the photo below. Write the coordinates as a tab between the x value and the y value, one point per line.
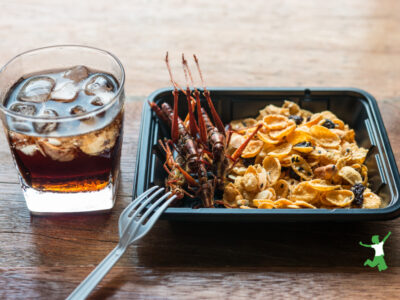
134	222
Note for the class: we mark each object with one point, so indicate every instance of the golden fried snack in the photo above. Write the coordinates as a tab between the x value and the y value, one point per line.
297	160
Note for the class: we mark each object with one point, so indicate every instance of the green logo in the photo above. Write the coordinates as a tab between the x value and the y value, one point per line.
379	260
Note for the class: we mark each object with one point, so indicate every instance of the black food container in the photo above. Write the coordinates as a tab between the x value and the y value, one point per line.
355	107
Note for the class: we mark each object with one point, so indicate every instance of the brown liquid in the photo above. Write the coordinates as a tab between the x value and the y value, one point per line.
83	173
50	161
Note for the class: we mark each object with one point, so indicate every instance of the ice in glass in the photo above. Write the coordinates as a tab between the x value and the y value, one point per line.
64	127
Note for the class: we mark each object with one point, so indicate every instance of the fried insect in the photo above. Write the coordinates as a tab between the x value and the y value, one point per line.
200	145
217	145
177	178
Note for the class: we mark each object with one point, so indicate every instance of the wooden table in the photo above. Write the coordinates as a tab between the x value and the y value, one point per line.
257	43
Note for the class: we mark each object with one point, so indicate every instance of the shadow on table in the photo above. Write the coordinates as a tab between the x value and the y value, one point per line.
333	245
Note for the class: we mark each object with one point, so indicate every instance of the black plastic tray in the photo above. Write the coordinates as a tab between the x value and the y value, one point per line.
355	107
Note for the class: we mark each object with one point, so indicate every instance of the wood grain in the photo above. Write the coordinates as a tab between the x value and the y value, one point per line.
210	283
262	43
265	43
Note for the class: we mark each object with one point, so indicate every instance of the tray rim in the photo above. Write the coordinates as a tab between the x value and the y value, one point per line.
203	214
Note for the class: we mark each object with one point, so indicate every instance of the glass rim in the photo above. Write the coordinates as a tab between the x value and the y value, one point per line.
85	115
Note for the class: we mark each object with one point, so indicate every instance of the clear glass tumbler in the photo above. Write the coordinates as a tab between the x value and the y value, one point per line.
67	152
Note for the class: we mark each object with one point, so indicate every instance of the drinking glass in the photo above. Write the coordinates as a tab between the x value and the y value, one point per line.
65	163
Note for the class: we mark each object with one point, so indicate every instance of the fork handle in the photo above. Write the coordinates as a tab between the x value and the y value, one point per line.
92	280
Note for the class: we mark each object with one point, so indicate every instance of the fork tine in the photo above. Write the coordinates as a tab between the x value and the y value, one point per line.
144	203
152	220
133	205
129	230
142	200
159	211
153	206
138	199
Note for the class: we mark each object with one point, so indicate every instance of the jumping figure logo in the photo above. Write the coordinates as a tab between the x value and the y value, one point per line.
379	260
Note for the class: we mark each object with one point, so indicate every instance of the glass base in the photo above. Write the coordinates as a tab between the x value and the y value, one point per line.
45	203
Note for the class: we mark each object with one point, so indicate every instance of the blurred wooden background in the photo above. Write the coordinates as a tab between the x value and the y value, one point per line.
255	43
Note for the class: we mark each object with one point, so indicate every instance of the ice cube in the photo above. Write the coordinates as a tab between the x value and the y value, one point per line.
62	149
36	89
97	102
29	149
24	109
77	73
101	140
98	83
23	143
65	91
106	97
77	110
46	127
21	126
54	141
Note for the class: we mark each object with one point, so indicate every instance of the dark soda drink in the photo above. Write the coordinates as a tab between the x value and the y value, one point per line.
67	143
68	164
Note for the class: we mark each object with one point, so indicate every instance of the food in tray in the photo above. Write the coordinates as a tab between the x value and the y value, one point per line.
286	157
297	159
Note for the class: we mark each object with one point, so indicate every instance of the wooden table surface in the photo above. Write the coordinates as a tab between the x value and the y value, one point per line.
258	43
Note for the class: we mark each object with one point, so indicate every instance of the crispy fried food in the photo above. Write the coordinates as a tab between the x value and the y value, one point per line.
297	160
371	200
304	192
341	198
273	168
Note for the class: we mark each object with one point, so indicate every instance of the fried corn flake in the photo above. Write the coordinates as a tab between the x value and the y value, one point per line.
297	160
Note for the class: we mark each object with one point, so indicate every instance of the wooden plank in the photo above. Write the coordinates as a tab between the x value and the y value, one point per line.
205	283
